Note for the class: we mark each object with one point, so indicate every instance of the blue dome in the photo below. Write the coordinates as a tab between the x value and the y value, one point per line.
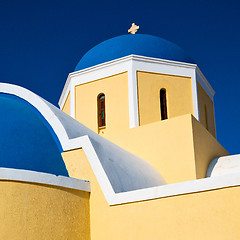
138	44
27	141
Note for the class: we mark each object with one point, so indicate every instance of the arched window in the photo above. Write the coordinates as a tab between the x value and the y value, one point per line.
163	104
101	110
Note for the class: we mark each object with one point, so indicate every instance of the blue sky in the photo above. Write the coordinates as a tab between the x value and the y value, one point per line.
42	41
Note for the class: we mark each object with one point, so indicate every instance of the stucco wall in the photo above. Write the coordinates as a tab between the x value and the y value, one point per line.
206	110
206	148
115	89
179	148
36	211
79	167
167	145
207	215
178	90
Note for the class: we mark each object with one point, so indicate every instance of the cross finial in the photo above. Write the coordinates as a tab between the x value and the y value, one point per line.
133	29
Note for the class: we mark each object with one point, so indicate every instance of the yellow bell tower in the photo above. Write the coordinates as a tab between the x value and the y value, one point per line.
144	94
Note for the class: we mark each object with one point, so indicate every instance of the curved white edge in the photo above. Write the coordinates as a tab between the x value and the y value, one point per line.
67	144
44	178
200	185
85	143
224	165
41	106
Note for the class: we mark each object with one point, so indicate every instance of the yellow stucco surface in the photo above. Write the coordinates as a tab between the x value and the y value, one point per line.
66	106
178	90
36	211
79	167
206	148
206	110
115	89
179	148
207	215
167	145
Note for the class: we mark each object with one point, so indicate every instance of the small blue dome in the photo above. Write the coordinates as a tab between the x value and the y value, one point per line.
138	44
27	141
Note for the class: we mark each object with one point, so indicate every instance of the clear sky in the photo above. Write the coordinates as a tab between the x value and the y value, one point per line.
42	41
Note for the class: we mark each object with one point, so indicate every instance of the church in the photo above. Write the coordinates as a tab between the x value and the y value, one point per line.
131	152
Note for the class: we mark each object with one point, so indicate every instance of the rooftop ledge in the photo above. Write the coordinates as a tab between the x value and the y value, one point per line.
18	175
176	189
168	190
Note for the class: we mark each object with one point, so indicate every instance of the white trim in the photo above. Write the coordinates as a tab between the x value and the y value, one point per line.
162	66
224	165
133	96
176	189
170	68
204	84
41	106
122	65
132	57
85	143
195	97
11	174
65	99
67	144
132	64
199	185
119	66
65	92
72	100
99	73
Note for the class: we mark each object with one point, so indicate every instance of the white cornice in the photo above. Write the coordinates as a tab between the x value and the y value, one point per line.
66	88
203	81
132	64
133	57
115	62
18	175
162	61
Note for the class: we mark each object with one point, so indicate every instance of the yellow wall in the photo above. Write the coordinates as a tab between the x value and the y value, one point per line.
36	211
179	96
206	148
207	215
205	104
167	145
66	106
115	89
179	148
79	167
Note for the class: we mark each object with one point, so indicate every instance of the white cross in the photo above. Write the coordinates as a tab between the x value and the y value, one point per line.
133	29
